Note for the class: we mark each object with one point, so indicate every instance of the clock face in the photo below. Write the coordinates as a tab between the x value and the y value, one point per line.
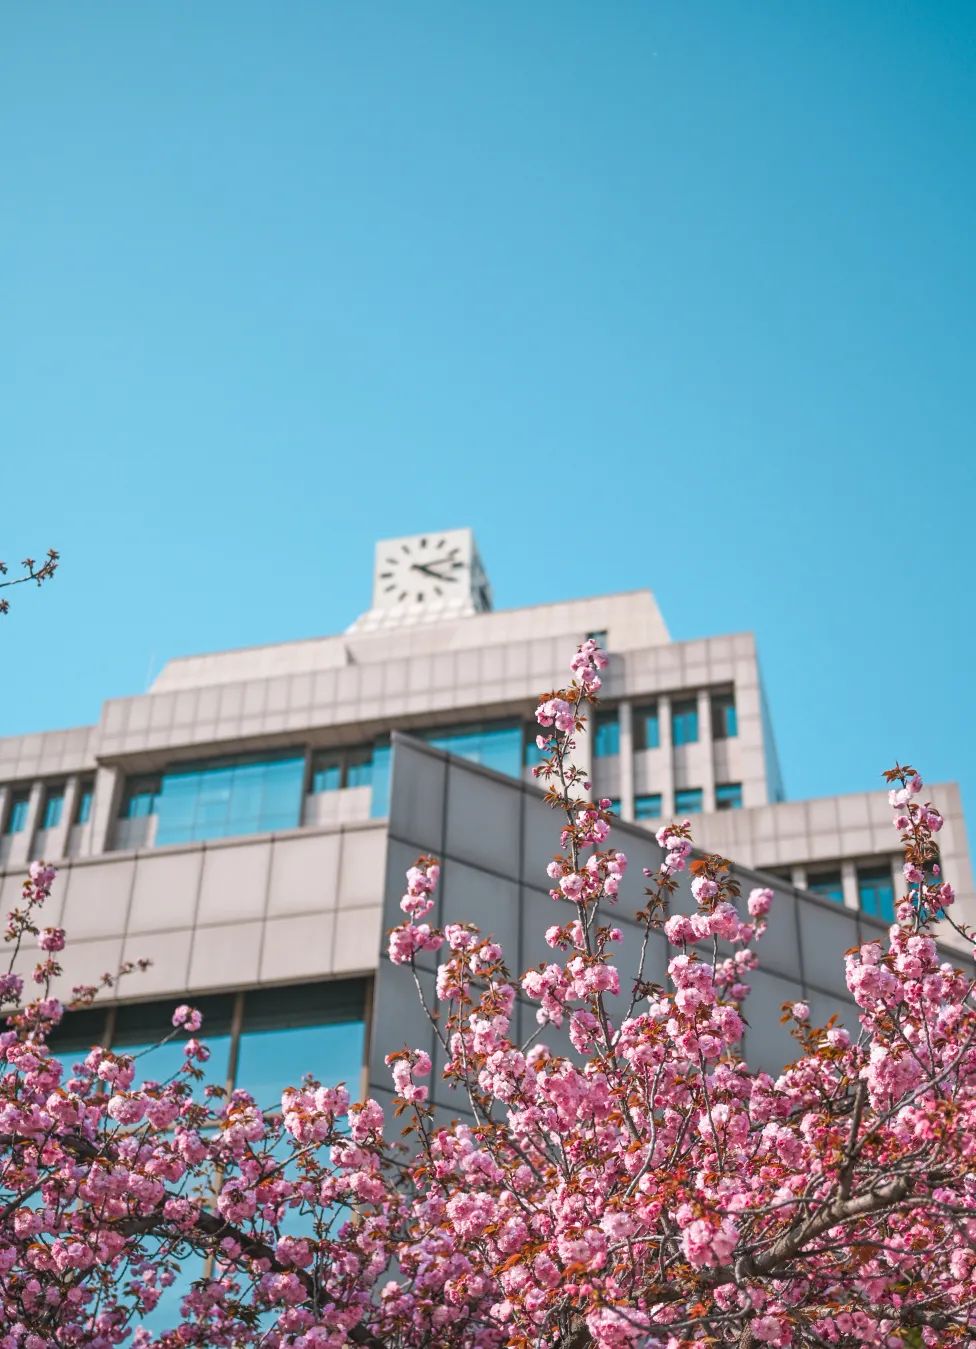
421	571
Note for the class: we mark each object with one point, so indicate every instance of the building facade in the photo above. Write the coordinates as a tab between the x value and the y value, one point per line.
245	823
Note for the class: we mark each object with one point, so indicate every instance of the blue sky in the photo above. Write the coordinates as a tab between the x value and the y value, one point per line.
673	295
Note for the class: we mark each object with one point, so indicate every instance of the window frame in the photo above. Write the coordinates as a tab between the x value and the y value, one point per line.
84	801
824	876
606	723
644	715
684	809
657	814
18	811
882	877
721	705
734	802
682	710
54	793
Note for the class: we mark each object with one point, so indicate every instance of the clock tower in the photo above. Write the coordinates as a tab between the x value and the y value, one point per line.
425	578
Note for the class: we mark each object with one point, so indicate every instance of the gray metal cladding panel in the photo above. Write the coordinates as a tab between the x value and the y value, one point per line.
398	1018
483	819
472	895
768	1043
779	948
497	829
418	813
825	934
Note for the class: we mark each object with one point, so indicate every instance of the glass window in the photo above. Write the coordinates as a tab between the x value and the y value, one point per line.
223	799
86	792
829	884
599	637
648	807
876	892
326	773
140	1029
359	767
379	801
17	812
606	734
497	746
684	721
688	801
139	799
725	725
53	806
288	1032
647	727
728	796
532	754
79	1032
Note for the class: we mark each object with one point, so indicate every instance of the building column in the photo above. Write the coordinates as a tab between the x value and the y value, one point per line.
625	712
798	877
848	872
667	756
108	782
899	884
21	843
705	737
56	842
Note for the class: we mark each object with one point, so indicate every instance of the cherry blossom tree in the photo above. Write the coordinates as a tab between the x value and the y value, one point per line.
649	1190
32	570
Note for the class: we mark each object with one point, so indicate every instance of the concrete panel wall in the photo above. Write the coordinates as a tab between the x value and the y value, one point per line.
223	914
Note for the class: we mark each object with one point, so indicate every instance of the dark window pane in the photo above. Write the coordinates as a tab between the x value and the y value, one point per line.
497	746
728	796
606	735
647	727
379	801
684	721
648	807
53	806
83	810
359	768
17	814
876	892
724	721
141	1027
828	884
532	754
688	801
139	799
326	773
231	797
79	1032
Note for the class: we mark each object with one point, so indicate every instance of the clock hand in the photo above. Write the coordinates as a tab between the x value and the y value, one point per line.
429	571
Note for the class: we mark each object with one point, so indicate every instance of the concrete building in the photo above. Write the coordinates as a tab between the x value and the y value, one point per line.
245	823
